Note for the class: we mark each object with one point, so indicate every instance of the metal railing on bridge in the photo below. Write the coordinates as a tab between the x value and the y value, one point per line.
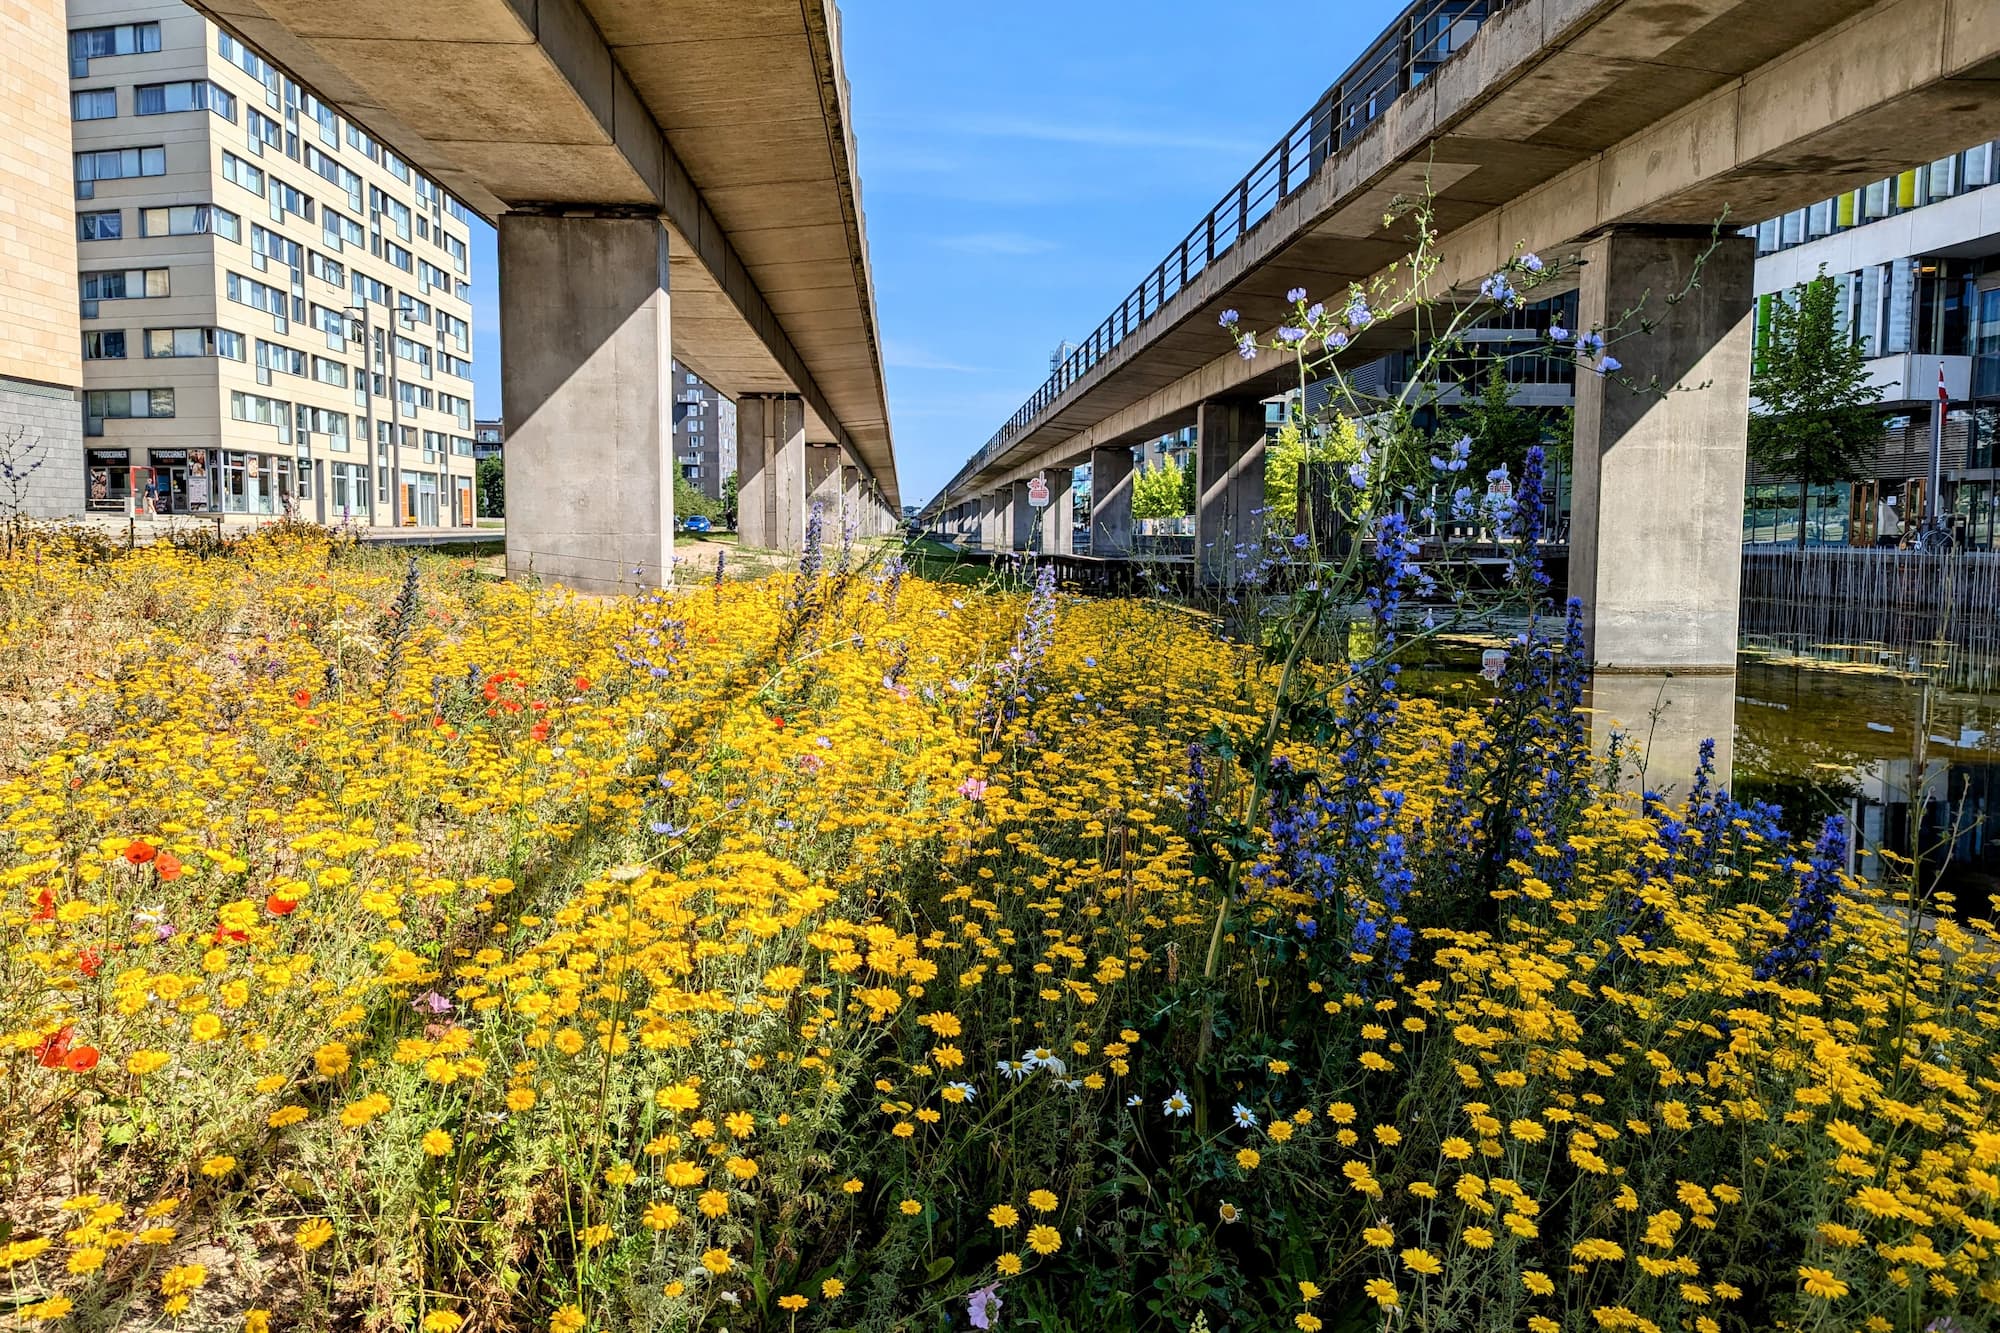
1422	38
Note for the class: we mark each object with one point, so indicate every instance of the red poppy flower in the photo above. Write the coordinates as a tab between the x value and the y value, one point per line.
224	933
277	906
167	866
539	732
81	1059
582	683
302	697
54	1049
778	722
89	961
139	851
45	906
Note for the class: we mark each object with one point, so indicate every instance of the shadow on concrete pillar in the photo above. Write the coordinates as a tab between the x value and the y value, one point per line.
771	468
1111	502
823	487
1229	489
1663	718
588	398
1656	536
1059	519
853	512
1023	520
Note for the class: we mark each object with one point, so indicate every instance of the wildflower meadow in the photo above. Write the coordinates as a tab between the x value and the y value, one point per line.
390	948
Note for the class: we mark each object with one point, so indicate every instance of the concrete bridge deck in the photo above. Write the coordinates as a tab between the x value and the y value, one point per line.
1619	131
670	178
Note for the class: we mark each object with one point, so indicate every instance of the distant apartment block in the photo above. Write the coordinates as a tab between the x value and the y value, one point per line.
489	439
1917	260
41	367
274	306
704	432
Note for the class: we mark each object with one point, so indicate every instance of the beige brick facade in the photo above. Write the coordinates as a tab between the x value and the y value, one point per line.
38	310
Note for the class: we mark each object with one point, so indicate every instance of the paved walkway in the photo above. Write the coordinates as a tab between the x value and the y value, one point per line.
144	531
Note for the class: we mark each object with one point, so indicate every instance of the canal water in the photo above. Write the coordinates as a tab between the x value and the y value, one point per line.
1909	751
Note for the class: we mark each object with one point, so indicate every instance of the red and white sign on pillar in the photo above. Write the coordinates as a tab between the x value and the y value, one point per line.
1038	493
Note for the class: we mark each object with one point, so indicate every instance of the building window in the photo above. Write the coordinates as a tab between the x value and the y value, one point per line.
257	296
94	104
326	270
280	359
398	256
129	284
322	115
261	411
329	372
101	405
189	220
112	164
320	421
292	200
349	488
194	342
265	130
279	249
108	225
122	39
163	99
241	56
104	345
238	172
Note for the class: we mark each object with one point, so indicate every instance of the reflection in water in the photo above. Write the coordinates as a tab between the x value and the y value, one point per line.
1663	719
1911	757
1881	748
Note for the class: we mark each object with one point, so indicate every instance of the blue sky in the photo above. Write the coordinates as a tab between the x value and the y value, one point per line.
1023	166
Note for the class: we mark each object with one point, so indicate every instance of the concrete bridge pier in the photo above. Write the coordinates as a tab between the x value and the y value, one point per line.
1656	542
585	351
1021	525
1229	488
993	520
771	471
1110	502
823	489
854	502
1059	519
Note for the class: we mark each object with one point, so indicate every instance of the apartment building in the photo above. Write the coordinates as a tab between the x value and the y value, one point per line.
274	306
41	368
704	432
1917	261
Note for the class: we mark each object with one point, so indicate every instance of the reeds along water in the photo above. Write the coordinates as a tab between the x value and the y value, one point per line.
1943	610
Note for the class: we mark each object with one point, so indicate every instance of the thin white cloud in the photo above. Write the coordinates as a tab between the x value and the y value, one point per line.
907	356
1103	135
996	243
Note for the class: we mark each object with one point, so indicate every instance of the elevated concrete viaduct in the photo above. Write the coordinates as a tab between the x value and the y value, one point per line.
1618	131
670	178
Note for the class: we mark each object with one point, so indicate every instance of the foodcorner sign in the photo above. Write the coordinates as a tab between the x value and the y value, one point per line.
1038	493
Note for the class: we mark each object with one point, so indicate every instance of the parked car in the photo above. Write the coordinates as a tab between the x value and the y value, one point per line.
697	523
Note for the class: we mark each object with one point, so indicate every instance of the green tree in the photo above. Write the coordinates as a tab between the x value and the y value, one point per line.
1817	422
1501	433
690	499
1164	491
490	482
1337	442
